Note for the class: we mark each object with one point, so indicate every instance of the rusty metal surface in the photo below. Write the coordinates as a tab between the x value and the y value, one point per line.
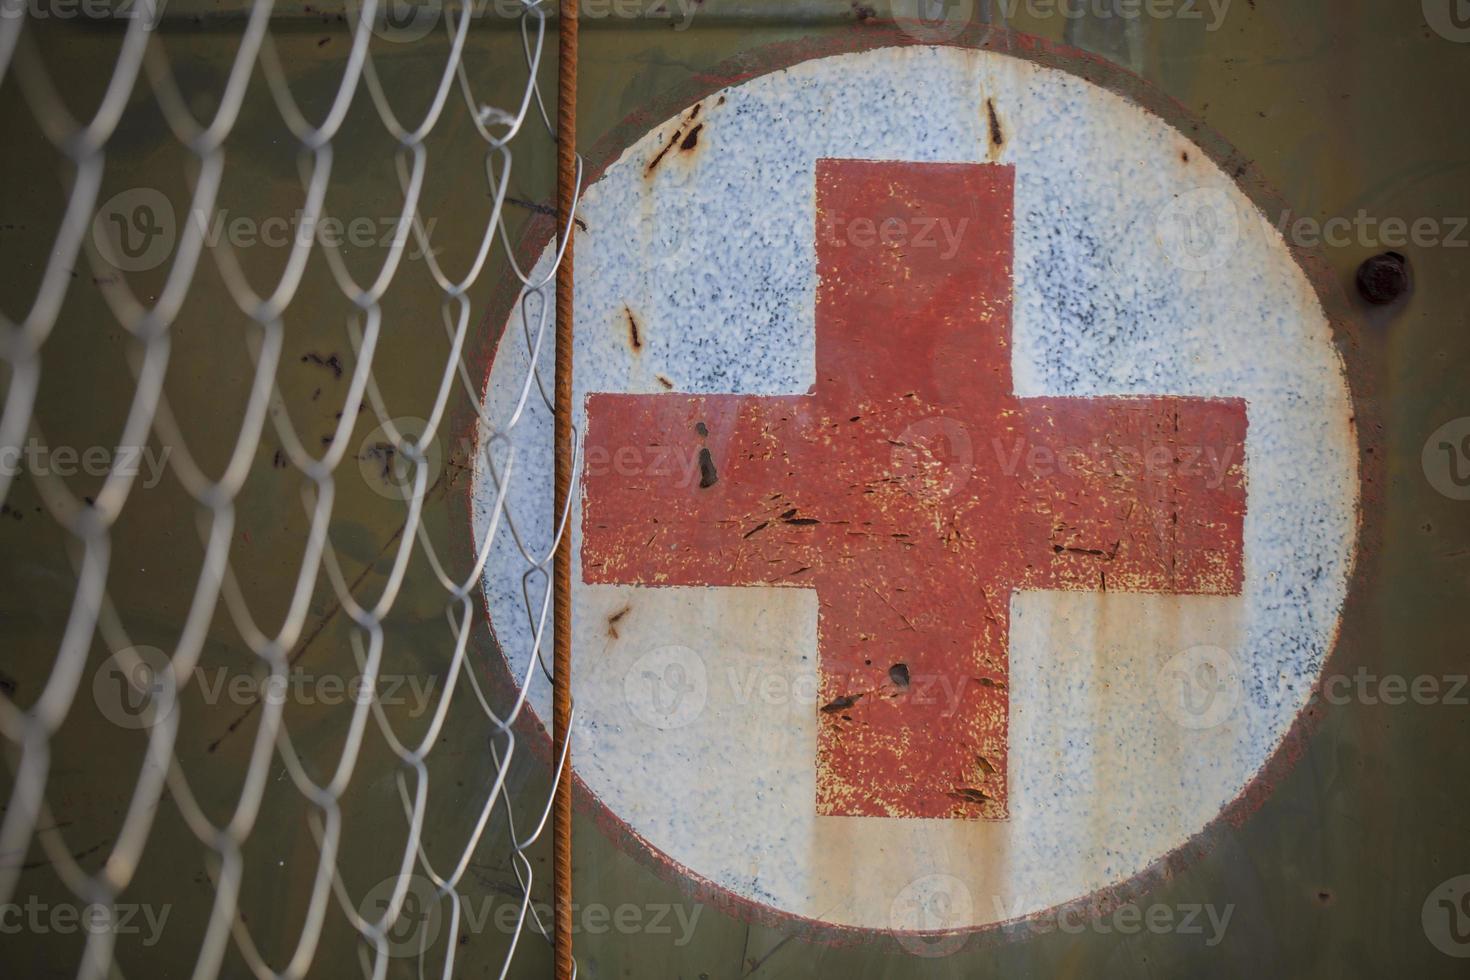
1345	862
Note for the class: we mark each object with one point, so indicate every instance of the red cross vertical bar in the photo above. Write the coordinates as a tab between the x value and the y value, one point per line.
905	489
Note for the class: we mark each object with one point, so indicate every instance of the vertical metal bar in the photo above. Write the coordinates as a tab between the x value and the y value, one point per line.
566	189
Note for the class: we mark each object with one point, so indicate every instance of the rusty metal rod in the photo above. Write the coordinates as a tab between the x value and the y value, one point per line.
566	191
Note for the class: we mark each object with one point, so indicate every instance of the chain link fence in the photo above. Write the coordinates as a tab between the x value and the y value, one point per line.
250	257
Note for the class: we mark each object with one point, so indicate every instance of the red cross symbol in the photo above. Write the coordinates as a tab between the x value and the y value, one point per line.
914	491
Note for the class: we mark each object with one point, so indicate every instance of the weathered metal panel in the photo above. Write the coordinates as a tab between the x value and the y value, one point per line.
1349	862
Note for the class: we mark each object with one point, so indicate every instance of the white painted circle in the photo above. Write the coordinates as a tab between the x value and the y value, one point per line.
716	254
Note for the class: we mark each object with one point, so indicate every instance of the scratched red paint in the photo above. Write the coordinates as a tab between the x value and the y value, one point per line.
914	556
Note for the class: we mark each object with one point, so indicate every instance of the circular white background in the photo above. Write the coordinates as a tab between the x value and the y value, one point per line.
1116	293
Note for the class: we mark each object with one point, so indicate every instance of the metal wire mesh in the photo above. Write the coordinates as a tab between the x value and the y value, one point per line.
224	832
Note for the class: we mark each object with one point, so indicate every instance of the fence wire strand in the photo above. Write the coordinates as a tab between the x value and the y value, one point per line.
31	817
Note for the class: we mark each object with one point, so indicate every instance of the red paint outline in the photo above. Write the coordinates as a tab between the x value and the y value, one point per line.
1349	338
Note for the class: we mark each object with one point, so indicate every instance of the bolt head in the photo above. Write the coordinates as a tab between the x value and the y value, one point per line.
1383	278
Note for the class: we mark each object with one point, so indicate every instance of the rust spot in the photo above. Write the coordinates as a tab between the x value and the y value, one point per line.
1184	155
707	475
659	158
331	362
1381	279
701	428
383	451
899	675
1106	555
969	794
635	337
615	618
685	141
840	704
665	381
997	135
